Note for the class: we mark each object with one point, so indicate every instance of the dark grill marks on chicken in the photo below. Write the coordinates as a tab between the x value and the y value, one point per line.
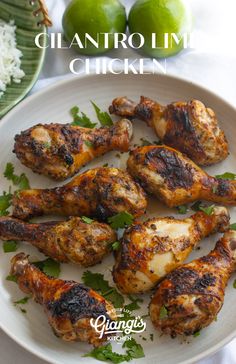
69	306
175	179
59	151
193	294
99	192
189	127
66	241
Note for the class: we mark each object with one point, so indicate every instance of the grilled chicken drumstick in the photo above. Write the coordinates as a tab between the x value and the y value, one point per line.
99	192
149	250
190	297
65	241
175	179
69	306
187	126
59	151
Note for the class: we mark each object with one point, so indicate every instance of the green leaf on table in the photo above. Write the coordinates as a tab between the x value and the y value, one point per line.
121	220
97	282
102	116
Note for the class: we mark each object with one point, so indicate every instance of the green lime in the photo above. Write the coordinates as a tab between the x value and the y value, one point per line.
160	17
94	18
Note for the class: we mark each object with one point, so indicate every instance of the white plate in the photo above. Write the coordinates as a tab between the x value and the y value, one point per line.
52	105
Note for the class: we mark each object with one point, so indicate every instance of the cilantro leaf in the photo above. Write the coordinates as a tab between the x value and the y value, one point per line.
233	226
197	206
234	284
182	209
163	312
5	203
115	245
135	350
11	278
121	220
227	175
208	210
97	282
88	144
81	119
49	267
21	181
134	305
10	246
197	333
105	353
86	219
103	117
22	301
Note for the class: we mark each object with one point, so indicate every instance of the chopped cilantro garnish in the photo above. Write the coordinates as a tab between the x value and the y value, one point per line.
97	282
134	350
102	116
49	267
21	181
134	303
22	301
227	175
5	203
87	220
182	209
197	206
88	143
115	245
163	312
105	353
81	119
10	246
121	220
208	210
233	226
11	278
197	333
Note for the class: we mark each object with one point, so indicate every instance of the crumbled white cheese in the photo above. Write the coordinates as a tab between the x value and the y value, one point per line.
10	56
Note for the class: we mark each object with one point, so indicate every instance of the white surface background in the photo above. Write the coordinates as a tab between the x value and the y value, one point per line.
212	64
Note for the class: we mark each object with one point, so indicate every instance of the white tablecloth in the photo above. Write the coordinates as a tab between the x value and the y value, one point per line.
212	64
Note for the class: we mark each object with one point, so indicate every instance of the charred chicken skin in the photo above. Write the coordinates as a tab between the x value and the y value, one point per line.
65	241
59	151
69	305
149	250
193	294
175	179
99	192
189	127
